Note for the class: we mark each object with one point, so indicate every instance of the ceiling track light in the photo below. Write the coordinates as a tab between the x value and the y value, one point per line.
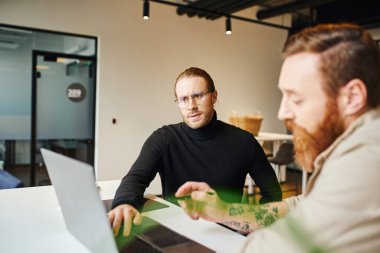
228	26
146	10
187	6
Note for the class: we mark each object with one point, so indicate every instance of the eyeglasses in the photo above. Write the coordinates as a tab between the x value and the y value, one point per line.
199	98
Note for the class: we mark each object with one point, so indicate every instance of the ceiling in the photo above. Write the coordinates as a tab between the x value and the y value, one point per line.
304	12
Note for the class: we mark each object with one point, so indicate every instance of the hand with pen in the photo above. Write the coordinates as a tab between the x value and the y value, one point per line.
199	200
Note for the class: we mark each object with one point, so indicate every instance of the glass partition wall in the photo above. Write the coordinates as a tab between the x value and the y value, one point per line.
47	99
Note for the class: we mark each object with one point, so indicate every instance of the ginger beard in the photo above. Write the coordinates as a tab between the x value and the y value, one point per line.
307	146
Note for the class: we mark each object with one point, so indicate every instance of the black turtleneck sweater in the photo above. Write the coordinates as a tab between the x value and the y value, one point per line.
218	154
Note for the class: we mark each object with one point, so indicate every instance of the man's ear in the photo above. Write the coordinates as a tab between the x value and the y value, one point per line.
214	97
353	97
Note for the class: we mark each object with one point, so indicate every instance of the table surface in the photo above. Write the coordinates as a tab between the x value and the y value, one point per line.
265	136
31	221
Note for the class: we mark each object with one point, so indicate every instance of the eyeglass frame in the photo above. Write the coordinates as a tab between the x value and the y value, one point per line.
198	100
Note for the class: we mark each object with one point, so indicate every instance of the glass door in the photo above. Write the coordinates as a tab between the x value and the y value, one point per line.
63	109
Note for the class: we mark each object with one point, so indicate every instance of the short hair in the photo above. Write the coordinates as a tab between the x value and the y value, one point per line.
193	72
347	52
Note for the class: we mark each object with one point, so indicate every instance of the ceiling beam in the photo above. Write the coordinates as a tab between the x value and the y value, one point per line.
198	4
290	7
223	14
236	6
225	6
363	12
220	6
215	5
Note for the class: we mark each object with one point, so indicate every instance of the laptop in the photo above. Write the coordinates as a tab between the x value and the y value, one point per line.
85	214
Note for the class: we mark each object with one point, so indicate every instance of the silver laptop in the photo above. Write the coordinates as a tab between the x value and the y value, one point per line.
82	209
85	214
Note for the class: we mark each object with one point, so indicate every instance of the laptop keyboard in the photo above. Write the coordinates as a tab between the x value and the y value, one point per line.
151	236
139	245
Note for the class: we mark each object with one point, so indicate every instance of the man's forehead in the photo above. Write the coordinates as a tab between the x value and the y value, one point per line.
300	72
192	79
194	83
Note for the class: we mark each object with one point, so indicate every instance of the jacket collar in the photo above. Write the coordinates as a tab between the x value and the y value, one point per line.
322	157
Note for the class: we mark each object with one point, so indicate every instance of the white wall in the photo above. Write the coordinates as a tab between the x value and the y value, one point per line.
139	61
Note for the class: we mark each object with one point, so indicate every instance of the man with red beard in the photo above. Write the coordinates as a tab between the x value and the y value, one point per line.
200	148
330	81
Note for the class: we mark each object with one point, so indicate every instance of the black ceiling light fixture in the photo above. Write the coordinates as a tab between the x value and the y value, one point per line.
228	16
146	10
301	13
228	25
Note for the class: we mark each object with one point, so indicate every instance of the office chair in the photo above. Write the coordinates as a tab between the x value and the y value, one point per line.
8	181
284	156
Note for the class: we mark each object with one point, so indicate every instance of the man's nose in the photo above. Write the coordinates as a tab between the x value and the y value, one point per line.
192	103
284	111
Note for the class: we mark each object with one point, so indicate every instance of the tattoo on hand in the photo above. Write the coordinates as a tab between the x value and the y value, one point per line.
264	214
245	227
235	224
236	210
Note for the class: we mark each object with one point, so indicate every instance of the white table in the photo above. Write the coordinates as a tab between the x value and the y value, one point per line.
275	138
31	221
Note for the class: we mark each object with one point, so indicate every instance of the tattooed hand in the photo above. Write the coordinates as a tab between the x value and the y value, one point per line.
199	200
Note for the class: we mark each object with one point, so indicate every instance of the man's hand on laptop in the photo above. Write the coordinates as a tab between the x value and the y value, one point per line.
124	213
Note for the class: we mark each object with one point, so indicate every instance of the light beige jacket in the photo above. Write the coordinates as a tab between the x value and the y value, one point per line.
341	209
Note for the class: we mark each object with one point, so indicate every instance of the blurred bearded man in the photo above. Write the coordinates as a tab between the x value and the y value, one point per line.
330	84
308	146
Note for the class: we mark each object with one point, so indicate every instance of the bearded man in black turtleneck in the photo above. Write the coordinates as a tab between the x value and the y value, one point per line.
201	148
